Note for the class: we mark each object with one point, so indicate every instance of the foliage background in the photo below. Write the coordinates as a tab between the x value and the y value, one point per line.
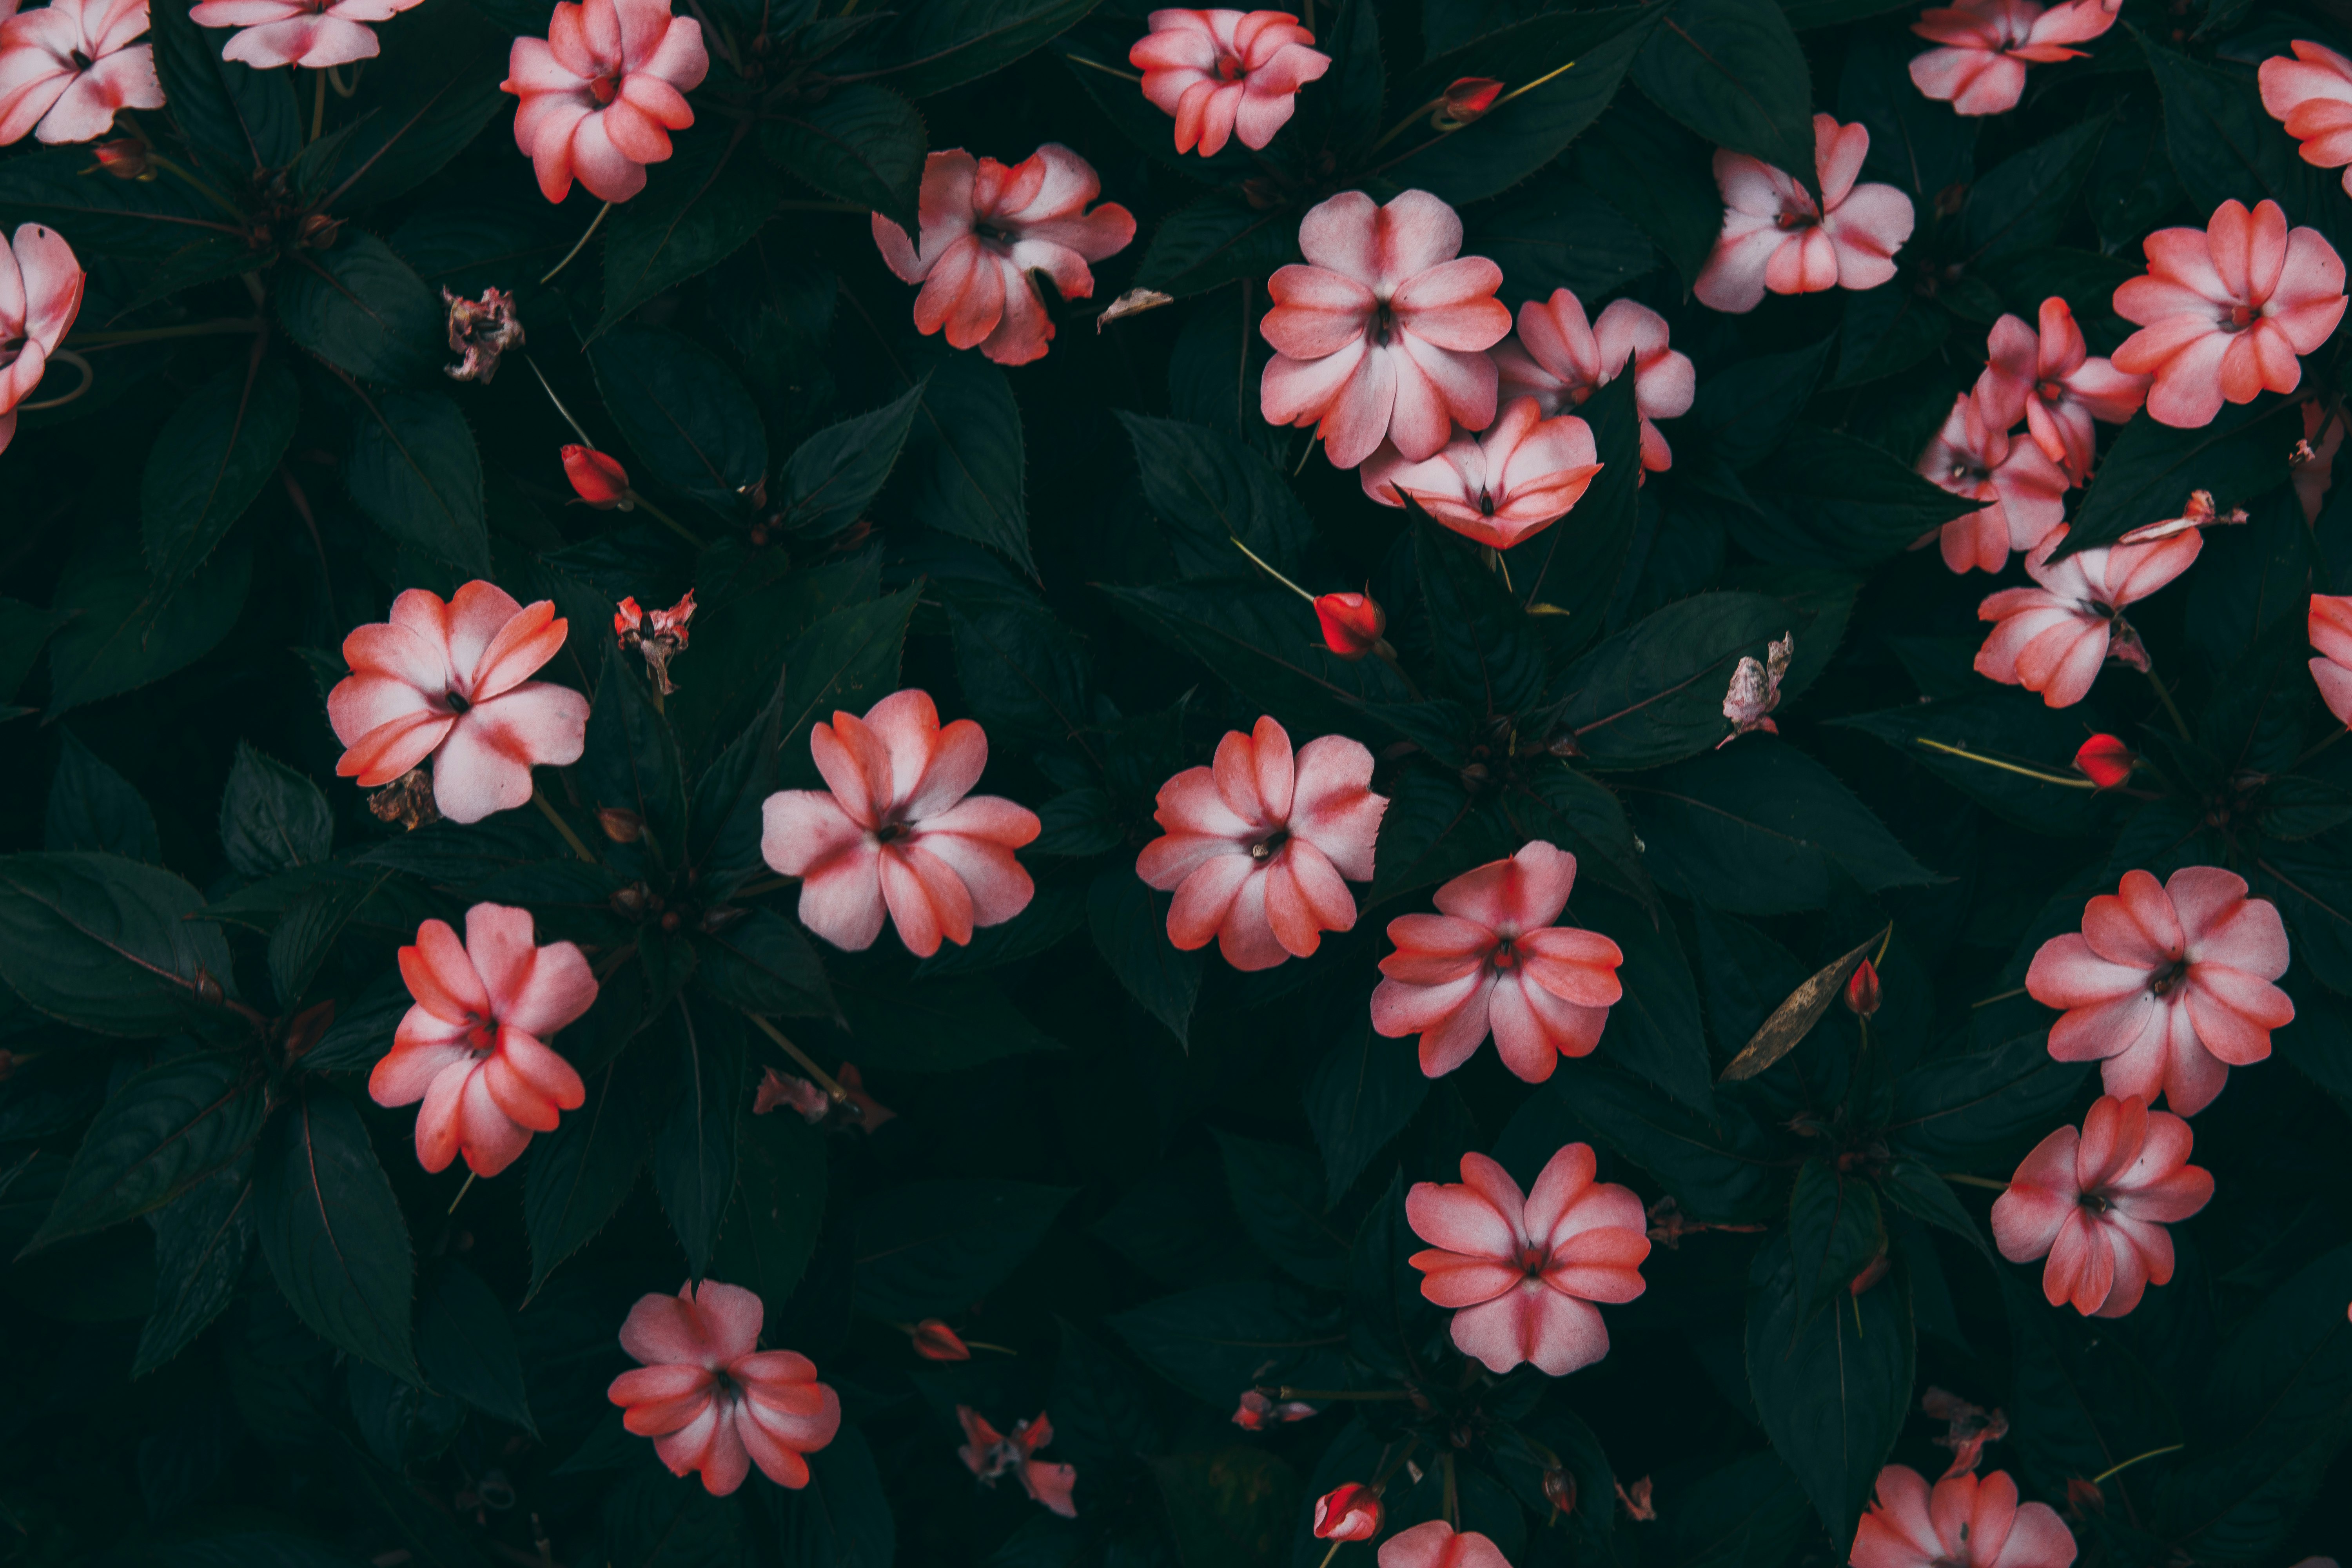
1152	1179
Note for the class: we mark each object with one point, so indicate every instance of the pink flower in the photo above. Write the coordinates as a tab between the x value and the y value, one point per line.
2315	467
989	1454
2224	312
1524	1271
2024	490
1966	1522
310	33
1493	961
2053	639
985	229
1777	239
2330	629
2095	1204
40	294
601	92
2312	95
1256	848
1255	1412
1967	1428
775	1089
1524	474
893	831
710	1399
1348	1512
450	682
1437	1544
473	1048
1383	332
1559	360
2168	986
2052	381
66	67
1220	72
1987	44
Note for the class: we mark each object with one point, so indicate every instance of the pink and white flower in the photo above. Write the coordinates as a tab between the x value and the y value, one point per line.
66	67
1964	1522
711	1400
2095	1204
40	294
2052	381
1226	73
1382	333
2330	627
601	92
2311	95
313	33
1521	476
2052	638
986	228
1987	44
1777	239
1560	360
2024	491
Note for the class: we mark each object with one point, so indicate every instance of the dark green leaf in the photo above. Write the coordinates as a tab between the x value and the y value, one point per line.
729	677
1750	1511
202	1241
859	144
2084	1403
830	478
1362	1095
1734	73
106	944
465	1345
930	1248
1218	1339
697	210
1574	565
129	630
1719	1166
1553	233
1982	1105
413	469
941	43
1208	489
631	761
163	1131
358	307
1654	692
271	817
683	412
1653	1029
432	1538
1923	1194
239	121
842	1518
849	661
2148	474
1278	1192
1433	832
1829	500
1486	642
693	1160
1654	173
93	807
966	457
2225	147
162	221
1024	673
939	1025
1217	240
1832	1386
2010	727
771	1226
333	1233
427	99
1230	1508
579	1173
1748	409
1834	1232
762	963
659	1521
1130	922
2024	201
209	462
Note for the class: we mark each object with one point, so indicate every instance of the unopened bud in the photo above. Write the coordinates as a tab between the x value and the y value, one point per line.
1559	1491
1350	1512
1862	990
2105	761
2084	1498
1469	98
621	827
126	158
598	479
1352	624
934	1340
1869	1276
319	232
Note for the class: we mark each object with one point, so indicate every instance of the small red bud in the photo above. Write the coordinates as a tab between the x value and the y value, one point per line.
1862	990
2105	761
125	158
1869	1276
620	827
1352	624
1559	1491
598	479
1471	96
934	1340
1350	1513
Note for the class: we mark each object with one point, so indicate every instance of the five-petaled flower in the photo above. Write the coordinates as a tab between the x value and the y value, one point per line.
1523	1270
2167	984
1437	1544
989	1454
2329	626
1492	961
1966	1521
66	67
1512	481
40	294
1987	44
1259	849
1777	239
1226	73
1381	333
2095	1204
1560	359
711	1400
601	93
474	1048
2024	491
313	34
2312	95
2051	379
897	830
451	681
986	229
2053	639
2224	310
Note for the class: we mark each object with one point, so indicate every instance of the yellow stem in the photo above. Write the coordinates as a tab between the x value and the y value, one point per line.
547	808
839	1094
1271	571
2000	996
462	1192
651	511
2006	767
2136	1459
576	430
1987	1183
1098	66
592	225
1330	1554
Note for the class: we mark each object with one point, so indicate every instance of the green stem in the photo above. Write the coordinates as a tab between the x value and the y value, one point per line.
1286	1392
2008	767
2169	707
1330	1554
1098	66
764	885
158	161
839	1094
2101	1478
1999	996
547	810
592	225
1987	1183
1452	1495
651	511
1271	571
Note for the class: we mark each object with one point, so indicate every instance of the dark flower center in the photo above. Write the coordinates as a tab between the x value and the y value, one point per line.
605	89
890	833
2241	317
1230	67
1486	502
1269	847
456	700
1786	220
1531	1260
2171	975
1967	473
82	62
2095	1203
9	349
2051	391
992	234
1383	324
482	1036
1505	955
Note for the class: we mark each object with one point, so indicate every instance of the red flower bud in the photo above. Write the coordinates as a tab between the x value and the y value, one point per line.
125	158
934	1340
1471	96
2105	761
1352	1513
621	827
1352	623
1871	1275
1559	1491
1862	990
598	479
